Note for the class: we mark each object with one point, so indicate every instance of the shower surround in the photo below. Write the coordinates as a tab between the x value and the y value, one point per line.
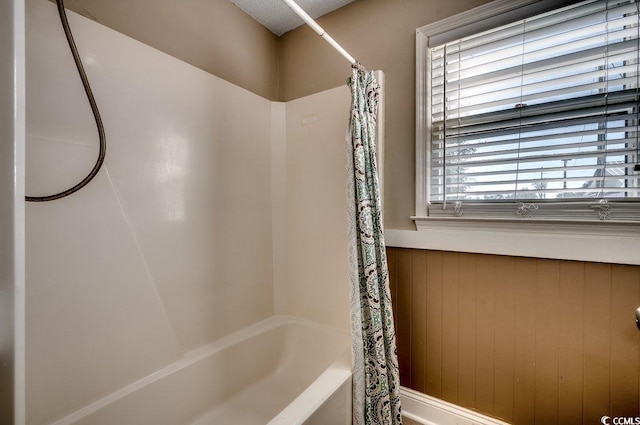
209	216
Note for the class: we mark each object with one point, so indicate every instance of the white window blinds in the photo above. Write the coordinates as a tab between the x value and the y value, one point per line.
542	110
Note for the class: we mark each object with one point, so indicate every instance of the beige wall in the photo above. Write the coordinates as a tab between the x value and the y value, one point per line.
213	35
530	341
381	35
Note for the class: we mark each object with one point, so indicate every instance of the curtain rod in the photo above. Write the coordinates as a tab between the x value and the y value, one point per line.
318	29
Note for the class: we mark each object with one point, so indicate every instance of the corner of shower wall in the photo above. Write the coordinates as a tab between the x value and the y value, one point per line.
279	206
315	271
12	168
310	177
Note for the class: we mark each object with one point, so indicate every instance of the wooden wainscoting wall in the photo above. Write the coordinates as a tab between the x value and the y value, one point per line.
530	341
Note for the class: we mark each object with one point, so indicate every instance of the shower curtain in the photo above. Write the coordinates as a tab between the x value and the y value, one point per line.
376	391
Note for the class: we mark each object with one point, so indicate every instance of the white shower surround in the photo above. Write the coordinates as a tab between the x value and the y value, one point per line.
210	214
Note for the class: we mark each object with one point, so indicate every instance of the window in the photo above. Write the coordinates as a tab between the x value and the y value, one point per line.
533	118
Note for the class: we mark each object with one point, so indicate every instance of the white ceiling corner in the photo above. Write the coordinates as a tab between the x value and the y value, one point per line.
278	18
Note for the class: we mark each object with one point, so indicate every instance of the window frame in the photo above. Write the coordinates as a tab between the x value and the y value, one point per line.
516	236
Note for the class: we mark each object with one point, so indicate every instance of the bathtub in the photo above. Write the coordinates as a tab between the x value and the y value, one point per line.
280	371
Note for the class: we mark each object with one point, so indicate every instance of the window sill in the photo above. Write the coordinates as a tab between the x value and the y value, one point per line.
609	242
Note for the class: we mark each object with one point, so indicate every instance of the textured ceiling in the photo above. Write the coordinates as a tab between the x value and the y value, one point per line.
276	15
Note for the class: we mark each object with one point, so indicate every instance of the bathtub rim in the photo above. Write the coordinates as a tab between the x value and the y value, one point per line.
317	393
192	357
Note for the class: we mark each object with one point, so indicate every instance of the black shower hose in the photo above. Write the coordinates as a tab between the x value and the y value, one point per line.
94	109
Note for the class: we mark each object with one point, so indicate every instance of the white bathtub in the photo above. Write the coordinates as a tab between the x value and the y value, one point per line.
279	371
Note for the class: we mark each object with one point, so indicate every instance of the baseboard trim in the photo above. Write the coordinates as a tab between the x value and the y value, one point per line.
429	410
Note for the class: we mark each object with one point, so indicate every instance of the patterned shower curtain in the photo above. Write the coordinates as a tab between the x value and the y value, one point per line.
376	391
